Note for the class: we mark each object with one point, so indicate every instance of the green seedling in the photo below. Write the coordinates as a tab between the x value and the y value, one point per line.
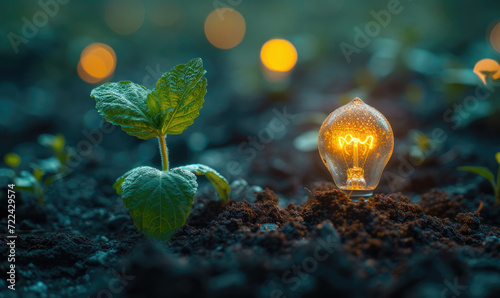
486	173
44	172
159	201
421	147
57	163
34	182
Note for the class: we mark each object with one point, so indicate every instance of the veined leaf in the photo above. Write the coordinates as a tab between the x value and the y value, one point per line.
220	183
482	171
181	94
125	104
118	184
159	201
154	108
25	181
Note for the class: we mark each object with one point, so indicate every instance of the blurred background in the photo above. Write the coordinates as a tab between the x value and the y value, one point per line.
275	70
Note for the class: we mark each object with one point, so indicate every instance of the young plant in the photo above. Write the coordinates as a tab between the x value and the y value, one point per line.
44	172
159	201
57	163
35	182
486	173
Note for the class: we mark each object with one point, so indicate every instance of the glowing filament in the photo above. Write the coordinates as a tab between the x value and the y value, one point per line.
348	139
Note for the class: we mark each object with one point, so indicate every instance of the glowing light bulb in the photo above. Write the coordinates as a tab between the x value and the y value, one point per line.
355	143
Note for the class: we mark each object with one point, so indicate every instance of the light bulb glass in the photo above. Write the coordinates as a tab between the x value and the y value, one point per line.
355	143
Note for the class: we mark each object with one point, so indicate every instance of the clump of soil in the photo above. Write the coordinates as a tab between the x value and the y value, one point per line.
441	204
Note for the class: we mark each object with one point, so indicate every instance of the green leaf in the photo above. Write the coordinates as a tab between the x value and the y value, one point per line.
50	180
55	142
181	94
159	201
497	157
38	174
220	183
12	160
118	184
49	165
154	108
482	171
25	181
125	104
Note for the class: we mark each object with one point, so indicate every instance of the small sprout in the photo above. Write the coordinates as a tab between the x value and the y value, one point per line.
34	183
38	174
421	147
486	173
55	142
421	140
159	201
44	172
61	153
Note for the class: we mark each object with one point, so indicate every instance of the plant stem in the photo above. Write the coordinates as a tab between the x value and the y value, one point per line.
164	153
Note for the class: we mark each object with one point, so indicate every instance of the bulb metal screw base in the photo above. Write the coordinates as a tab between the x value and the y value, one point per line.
356	194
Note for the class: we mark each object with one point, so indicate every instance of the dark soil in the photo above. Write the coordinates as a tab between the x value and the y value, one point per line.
385	246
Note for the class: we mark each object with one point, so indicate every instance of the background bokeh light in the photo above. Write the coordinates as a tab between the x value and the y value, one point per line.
125	16
225	28
486	67
495	37
97	62
278	55
164	13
